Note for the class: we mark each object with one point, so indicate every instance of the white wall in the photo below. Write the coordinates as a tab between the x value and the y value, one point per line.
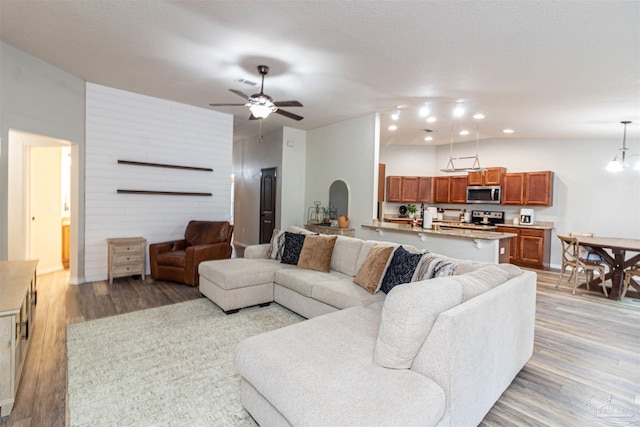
41	99
349	151
127	126
293	177
250	155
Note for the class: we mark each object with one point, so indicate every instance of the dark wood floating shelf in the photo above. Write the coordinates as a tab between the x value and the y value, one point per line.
164	193
160	165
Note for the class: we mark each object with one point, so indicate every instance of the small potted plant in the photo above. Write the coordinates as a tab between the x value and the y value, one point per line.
330	213
412	210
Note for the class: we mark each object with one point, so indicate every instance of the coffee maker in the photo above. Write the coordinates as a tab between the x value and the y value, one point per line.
526	217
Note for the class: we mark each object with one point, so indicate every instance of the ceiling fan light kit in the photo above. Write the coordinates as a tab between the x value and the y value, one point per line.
262	105
620	161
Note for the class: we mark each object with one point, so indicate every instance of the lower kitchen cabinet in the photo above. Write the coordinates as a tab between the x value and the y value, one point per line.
532	247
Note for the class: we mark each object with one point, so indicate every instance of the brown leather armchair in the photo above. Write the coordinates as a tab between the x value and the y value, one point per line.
178	260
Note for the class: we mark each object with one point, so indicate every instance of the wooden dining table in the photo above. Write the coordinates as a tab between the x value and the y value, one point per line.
613	251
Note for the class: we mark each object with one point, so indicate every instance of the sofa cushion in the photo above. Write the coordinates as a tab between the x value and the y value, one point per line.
316	252
401	268
302	280
325	363
345	255
408	315
485	278
172	258
343	293
369	275
293	243
238	272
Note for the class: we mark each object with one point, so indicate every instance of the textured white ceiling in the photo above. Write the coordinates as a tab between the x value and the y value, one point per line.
547	69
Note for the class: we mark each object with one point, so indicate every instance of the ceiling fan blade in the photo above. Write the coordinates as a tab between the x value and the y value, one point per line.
226	105
288	104
240	94
288	114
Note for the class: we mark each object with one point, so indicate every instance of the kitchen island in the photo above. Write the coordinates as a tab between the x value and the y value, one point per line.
463	243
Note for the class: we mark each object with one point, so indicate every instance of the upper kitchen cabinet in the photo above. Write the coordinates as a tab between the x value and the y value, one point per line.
409	188
394	189
538	188
528	189
425	189
513	189
402	189
441	189
458	191
489	176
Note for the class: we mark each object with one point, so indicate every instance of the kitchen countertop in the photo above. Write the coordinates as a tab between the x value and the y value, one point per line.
468	233
541	225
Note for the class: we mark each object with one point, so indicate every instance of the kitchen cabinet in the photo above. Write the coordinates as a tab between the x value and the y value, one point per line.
381	174
441	189
410	189
458	191
538	188
513	189
489	176
531	248
425	189
394	189
528	188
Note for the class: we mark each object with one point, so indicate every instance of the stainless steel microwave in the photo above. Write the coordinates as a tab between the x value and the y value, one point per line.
484	194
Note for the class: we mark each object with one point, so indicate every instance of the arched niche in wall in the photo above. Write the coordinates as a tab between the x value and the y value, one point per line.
339	197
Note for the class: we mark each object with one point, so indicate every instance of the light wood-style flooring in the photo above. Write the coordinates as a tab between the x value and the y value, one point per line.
585	369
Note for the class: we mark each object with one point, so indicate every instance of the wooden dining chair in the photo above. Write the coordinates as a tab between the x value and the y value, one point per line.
586	252
628	274
571	258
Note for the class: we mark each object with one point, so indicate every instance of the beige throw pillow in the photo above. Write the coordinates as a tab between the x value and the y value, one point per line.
316	252
369	275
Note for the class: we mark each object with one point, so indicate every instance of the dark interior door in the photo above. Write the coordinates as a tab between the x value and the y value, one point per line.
267	204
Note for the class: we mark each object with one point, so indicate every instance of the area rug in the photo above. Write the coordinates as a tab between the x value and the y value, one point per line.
165	366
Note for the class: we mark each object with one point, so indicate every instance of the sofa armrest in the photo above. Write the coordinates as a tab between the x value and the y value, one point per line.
157	248
256	251
475	350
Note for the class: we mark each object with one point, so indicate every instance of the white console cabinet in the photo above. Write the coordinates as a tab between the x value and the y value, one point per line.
17	305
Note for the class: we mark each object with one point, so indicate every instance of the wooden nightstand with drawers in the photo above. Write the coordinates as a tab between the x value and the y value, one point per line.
127	257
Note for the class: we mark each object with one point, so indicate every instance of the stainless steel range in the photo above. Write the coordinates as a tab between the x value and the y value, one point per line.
487	217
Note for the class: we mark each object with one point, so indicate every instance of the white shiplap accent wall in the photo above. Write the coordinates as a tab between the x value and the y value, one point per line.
126	126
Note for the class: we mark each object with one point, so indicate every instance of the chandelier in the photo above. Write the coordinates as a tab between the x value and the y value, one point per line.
620	161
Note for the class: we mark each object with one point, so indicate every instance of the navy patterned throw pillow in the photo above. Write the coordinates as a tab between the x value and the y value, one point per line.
292	246
401	269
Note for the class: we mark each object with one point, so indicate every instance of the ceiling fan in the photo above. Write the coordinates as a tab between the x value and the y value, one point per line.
261	104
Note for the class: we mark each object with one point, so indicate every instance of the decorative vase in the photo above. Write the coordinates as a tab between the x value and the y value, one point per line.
343	221
412	214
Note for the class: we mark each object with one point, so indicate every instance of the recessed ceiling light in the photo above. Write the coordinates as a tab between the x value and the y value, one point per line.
478	116
428	138
431	119
393	127
507	131
464	132
458	111
424	111
395	115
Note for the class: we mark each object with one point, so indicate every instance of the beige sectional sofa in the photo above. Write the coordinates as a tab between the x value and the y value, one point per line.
431	352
